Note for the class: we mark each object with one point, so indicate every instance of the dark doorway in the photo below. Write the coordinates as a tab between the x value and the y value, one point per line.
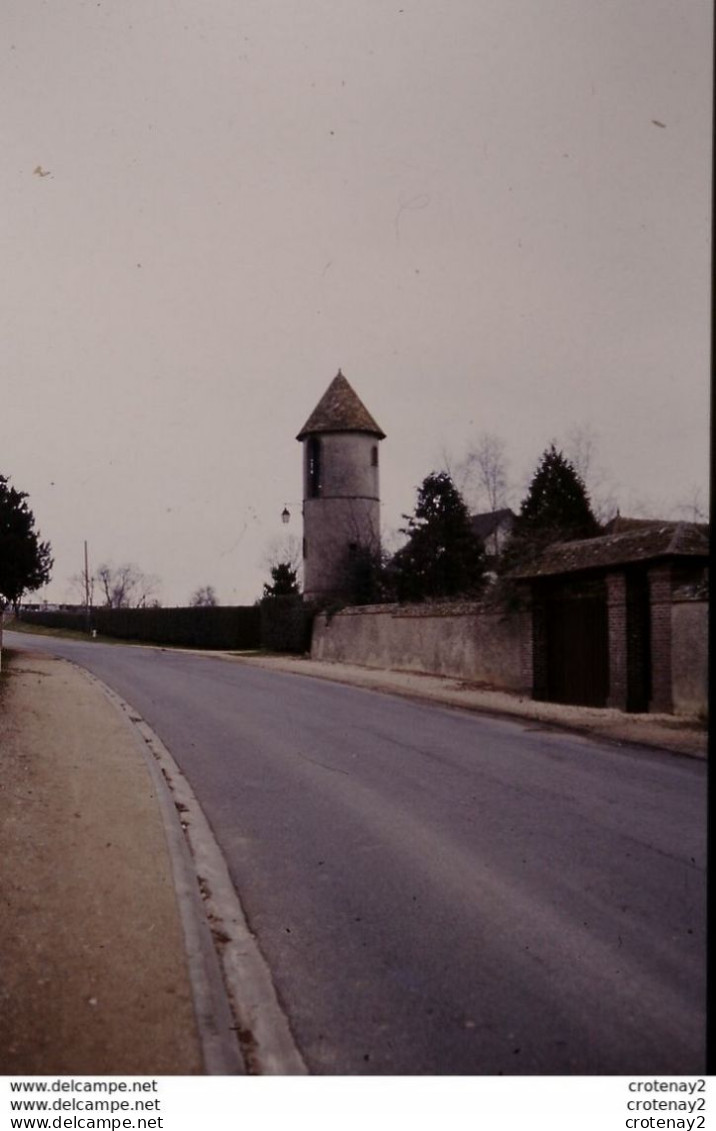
638	628
578	645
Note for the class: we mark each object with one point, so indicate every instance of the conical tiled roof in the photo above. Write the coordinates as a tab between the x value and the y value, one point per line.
340	409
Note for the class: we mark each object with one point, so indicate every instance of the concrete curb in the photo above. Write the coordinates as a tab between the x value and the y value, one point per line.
242	1028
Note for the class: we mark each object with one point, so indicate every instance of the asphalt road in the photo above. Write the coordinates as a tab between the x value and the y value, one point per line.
436	891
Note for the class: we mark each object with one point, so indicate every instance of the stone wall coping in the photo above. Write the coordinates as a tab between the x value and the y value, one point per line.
426	609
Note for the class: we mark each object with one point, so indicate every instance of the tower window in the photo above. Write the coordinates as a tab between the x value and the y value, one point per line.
313	477
374	456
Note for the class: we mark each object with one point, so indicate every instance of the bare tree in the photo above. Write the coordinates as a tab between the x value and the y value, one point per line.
457	469
581	445
482	476
126	586
286	550
693	508
204	597
82	586
643	506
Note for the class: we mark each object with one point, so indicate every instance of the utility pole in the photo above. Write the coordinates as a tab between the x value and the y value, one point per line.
88	615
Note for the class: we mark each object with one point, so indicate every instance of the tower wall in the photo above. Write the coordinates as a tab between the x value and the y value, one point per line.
348	465
341	508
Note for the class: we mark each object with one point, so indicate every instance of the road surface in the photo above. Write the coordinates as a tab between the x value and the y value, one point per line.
436	891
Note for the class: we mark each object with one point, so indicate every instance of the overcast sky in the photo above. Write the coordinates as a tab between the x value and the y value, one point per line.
493	215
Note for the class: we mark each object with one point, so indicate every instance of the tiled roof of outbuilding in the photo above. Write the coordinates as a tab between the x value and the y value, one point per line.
660	540
340	409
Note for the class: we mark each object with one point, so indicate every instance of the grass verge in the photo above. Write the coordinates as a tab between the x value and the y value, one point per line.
14	625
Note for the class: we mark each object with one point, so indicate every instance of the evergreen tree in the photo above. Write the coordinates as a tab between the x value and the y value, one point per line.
555	509
25	561
443	557
366	578
285	581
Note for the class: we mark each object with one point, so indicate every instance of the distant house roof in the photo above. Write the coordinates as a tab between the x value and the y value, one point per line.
486	524
340	409
639	544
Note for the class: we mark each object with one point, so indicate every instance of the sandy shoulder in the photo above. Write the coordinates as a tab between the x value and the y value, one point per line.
94	972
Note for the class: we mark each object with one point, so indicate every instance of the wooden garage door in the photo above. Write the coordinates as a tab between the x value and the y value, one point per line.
578	649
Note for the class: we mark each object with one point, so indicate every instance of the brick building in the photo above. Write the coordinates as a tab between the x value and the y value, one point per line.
607	624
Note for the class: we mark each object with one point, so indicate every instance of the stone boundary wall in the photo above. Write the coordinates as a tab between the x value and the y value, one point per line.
465	641
689	656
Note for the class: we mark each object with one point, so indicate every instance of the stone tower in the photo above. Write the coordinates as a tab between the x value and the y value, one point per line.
341	499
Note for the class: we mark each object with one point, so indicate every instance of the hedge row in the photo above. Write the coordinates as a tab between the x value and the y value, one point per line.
286	624
235	628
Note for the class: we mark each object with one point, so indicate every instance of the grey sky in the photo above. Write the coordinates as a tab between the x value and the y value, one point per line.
492	214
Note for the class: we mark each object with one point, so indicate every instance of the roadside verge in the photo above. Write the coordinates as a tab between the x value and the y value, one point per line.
161	908
95	973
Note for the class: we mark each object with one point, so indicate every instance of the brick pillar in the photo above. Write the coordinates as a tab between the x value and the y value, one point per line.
660	614
617	629
540	688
